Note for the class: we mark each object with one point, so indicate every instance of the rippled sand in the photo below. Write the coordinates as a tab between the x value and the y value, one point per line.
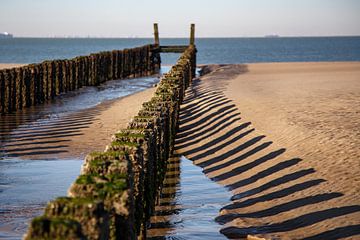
37	133
284	137
68	128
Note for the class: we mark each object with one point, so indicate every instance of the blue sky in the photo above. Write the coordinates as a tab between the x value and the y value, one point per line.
213	18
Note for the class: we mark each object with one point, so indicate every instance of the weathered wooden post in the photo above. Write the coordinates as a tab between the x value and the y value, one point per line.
2	92
156	34
192	34
18	88
27	87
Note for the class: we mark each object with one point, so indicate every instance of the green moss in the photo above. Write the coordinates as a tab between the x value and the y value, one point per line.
138	129
101	158
115	154
115	177
121	143
94	178
67	207
117	185
109	189
95	154
142	117
74	201
96	163
104	186
54	228
150	113
130	135
160	99
85	179
42	222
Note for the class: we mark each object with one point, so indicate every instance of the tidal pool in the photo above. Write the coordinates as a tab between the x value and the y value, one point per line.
189	204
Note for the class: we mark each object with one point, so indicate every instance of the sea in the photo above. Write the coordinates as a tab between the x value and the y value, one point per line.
27	185
210	50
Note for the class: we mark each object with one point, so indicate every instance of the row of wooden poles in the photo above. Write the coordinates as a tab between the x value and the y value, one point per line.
33	84
115	194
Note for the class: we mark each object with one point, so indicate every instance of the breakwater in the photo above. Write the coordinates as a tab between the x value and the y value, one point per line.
33	84
115	194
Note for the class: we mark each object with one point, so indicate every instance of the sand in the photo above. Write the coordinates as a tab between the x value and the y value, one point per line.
34	134
69	136
10	65
284	138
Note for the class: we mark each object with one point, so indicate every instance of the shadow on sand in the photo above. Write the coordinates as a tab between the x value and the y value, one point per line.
31	134
210	122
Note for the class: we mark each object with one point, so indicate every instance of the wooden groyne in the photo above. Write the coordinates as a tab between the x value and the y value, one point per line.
115	194
33	84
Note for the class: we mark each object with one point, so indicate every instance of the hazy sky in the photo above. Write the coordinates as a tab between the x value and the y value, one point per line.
213	18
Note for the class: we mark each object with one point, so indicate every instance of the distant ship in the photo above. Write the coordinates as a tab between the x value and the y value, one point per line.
6	35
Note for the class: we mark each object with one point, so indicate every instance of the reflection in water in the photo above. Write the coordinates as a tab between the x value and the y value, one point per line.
63	116
47	131
188	204
41	133
26	186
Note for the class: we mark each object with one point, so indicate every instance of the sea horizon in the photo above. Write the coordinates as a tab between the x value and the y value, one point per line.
184	37
231	50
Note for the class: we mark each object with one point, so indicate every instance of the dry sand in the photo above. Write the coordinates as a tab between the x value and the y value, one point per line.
10	65
284	137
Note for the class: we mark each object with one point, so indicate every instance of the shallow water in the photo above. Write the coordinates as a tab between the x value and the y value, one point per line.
56	120
70	103
191	199
25	188
27	185
189	204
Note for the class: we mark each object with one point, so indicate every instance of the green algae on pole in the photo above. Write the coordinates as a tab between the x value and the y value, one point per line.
36	83
118	188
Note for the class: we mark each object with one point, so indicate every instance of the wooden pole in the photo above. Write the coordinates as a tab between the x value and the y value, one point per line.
156	34
192	34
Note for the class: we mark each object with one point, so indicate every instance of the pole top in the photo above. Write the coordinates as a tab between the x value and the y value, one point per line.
192	34
156	34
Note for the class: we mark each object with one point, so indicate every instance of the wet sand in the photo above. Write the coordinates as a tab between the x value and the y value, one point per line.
284	138
72	125
66	128
34	134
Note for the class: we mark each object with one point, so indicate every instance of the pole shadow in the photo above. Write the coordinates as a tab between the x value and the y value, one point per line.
209	123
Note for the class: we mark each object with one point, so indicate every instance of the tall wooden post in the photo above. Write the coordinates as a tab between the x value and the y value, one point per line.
192	34
156	34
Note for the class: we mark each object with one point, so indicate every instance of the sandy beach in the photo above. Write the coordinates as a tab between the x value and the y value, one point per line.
67	136
30	178
10	65
71	136
283	137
